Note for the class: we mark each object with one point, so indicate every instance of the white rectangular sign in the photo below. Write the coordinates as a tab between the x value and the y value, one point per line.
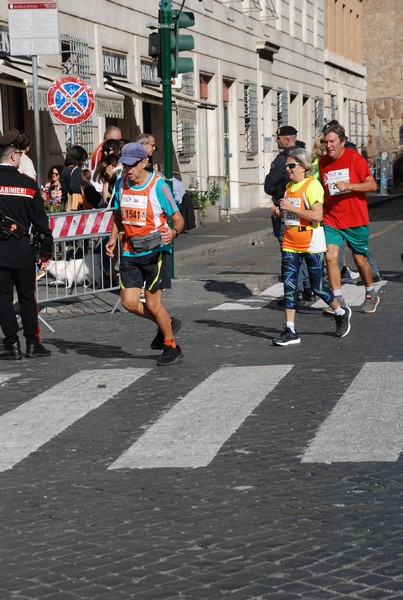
34	28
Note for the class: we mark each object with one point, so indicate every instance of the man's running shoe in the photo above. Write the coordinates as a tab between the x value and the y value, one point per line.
286	338
169	356
370	303
348	276
343	323
158	341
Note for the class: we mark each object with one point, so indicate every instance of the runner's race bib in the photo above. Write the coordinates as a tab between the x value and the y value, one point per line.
291	218
333	177
134	210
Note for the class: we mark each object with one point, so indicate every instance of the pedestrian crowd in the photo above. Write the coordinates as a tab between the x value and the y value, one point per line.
319	209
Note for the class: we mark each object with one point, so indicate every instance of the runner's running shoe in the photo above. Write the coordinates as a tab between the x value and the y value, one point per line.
170	356
343	322
370	303
286	338
158	341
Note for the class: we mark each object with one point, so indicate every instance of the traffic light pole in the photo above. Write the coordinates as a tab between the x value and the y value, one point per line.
165	32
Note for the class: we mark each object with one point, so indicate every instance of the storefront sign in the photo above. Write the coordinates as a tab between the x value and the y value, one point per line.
149	73
43	99
186	115
114	64
106	107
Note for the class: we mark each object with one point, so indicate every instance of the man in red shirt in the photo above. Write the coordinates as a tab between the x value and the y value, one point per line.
111	133
346	178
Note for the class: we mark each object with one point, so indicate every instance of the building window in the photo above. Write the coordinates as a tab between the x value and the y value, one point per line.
282	108
319	116
250	117
333	107
76	61
186	139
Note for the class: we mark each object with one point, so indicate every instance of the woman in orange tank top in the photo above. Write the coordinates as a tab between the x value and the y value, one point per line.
302	211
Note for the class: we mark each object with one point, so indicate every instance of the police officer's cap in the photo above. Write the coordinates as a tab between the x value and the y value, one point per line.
286	130
9	138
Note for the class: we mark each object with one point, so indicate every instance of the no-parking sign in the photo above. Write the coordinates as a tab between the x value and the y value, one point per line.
71	100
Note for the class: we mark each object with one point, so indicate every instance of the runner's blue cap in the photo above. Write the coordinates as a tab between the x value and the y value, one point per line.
133	152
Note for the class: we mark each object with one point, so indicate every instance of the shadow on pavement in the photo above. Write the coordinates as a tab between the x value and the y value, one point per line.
251	330
90	349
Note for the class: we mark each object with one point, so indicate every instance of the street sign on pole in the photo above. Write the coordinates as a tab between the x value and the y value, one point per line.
71	100
34	28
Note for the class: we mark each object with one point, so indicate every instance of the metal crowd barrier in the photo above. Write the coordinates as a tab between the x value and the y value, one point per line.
80	266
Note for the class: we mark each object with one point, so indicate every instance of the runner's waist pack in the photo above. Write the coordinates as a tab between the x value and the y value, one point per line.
142	243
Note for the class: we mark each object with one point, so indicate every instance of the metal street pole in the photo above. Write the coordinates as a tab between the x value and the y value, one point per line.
165	31
37	126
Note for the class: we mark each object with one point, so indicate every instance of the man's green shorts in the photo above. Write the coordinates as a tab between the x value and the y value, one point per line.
356	238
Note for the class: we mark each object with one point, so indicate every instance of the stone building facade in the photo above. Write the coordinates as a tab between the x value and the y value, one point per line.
257	65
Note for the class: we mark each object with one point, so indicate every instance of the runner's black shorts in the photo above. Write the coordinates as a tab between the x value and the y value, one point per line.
151	270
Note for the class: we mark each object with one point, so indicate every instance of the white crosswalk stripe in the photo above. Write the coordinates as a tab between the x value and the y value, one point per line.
367	422
6	376
26	428
193	431
353	295
365	425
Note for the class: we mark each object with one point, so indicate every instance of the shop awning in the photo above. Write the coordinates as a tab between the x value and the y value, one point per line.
154	95
131	89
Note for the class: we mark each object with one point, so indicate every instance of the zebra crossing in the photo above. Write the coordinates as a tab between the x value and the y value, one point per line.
365	425
353	295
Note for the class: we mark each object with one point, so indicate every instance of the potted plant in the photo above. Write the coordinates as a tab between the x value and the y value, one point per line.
206	204
213	194
199	201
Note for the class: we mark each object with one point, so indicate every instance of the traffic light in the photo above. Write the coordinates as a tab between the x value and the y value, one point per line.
154	49
179	43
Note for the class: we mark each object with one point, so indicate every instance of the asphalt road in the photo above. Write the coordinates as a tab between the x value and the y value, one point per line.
247	471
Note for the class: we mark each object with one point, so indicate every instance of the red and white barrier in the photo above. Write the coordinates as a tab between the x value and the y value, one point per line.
81	224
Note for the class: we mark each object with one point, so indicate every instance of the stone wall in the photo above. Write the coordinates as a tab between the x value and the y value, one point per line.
383	52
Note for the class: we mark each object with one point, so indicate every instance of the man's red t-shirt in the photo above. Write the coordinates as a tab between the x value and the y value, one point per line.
344	209
96	156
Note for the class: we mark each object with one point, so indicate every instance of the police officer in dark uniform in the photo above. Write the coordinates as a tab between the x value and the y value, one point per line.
277	178
21	208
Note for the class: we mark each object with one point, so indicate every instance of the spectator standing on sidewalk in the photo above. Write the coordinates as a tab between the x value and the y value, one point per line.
21	207
26	164
144	204
346	178
304	238
147	140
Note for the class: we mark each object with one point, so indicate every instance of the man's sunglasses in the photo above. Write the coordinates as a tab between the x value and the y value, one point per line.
291	165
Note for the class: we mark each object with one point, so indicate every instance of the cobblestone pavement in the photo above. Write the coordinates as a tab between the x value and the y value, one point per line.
255	523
